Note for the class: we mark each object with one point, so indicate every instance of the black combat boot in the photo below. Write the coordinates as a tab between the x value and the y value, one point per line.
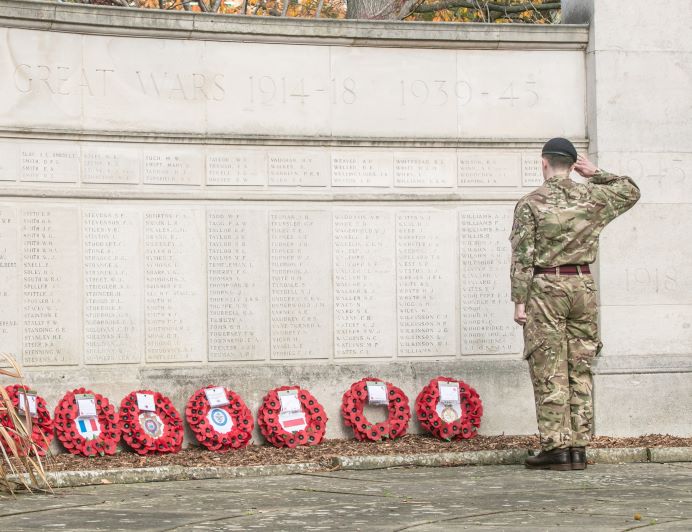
578	455
556	460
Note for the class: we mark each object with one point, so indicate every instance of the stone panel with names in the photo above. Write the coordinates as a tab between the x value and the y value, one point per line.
426	282
425	170
174	285
362	169
50	163
237	167
301	284
172	166
238	280
9	285
532	175
487	326
52	288
113	331
105	164
488	169
364	283
298	168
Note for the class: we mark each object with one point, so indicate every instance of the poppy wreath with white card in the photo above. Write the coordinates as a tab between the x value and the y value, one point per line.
39	417
150	423
449	409
86	423
375	392
219	418
290	416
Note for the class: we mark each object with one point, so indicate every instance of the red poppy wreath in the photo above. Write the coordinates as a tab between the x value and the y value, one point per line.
41	423
449	409
150	423
86	423
375	392
290	416
219	418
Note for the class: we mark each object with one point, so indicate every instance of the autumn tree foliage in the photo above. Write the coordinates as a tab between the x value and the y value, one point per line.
499	11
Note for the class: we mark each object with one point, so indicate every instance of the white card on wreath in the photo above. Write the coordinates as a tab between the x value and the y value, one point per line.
289	401
86	403
145	402
29	397
217	396
449	392
377	393
293	421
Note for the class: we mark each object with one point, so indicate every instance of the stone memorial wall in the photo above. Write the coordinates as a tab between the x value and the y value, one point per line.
191	199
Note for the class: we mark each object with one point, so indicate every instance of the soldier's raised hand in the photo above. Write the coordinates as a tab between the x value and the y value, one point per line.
584	167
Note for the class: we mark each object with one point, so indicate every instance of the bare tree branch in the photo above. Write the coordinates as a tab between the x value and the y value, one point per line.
452	4
284	8
320	5
215	6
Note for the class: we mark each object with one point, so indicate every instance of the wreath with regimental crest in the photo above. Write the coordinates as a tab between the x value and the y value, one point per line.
449	409
290	416
86	435
398	411
158	429
40	423
219	418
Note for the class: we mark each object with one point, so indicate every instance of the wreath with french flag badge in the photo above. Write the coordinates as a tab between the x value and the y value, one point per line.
38	420
449	409
150	423
219	418
86	423
377	393
290	416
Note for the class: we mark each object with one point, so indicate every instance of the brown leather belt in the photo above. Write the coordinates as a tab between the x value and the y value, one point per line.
565	269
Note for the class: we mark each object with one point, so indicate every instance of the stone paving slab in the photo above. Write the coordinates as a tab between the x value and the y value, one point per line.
604	497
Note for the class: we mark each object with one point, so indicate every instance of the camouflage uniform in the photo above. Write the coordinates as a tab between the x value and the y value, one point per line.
559	224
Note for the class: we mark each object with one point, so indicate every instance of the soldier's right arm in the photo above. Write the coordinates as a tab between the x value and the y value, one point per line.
618	193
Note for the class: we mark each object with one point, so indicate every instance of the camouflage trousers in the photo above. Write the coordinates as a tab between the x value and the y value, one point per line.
560	342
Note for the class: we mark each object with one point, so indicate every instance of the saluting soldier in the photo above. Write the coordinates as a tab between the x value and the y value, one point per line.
554	241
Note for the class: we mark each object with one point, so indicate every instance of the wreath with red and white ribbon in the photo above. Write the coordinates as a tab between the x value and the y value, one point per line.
395	400
219	418
456	416
41	422
86	435
156	429
298	419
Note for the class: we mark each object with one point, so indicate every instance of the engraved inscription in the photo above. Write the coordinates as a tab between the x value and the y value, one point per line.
489	169
301	285
174	285
49	163
426	282
305	169
112	286
532	175
236	167
51	286
364	284
9	297
102	164
429	170
486	309
179	167
238	279
361	169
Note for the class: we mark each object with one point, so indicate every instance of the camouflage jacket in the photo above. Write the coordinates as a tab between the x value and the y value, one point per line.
559	223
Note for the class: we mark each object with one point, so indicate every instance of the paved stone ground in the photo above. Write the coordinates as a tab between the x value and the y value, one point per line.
604	497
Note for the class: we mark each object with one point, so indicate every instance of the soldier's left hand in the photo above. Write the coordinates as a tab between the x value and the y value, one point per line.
520	313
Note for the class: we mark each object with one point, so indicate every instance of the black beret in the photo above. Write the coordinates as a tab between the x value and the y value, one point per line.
560	146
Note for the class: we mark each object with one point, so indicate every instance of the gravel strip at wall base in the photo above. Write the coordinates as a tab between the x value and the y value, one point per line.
65	479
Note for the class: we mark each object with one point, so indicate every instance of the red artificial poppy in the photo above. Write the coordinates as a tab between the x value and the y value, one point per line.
306	427
41	424
159	430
